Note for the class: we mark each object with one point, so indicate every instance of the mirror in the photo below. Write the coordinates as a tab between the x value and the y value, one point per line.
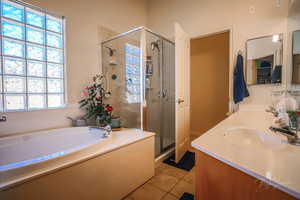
296	57
264	60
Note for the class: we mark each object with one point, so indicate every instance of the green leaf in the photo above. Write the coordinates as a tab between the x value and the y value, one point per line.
83	104
81	101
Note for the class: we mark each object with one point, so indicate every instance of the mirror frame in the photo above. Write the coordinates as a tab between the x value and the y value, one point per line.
246	56
292	53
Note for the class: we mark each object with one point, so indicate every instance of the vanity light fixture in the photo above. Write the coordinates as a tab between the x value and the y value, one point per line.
275	38
278	3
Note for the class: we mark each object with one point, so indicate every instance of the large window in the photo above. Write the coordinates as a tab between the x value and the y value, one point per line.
132	56
32	58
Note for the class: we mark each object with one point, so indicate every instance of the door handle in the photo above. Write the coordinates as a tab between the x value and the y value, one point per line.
164	93
180	101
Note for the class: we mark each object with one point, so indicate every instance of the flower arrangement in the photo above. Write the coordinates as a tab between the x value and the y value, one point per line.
294	118
92	102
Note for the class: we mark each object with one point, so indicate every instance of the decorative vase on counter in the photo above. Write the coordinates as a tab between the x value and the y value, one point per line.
294	119
78	122
116	122
100	122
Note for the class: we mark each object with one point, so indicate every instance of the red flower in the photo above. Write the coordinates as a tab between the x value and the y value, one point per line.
109	108
85	93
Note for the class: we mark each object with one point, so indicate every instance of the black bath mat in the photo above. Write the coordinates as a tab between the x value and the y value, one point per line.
187	162
187	196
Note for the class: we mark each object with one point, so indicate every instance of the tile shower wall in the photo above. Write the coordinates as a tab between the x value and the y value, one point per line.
115	65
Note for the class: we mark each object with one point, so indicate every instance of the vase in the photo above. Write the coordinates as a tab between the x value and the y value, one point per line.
100	123
116	123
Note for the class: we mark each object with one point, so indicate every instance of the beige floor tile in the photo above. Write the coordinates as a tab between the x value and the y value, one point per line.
127	198
147	192
163	182
190	177
169	197
183	187
160	168
172	171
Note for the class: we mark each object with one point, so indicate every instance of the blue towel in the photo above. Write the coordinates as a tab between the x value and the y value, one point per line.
277	74
240	90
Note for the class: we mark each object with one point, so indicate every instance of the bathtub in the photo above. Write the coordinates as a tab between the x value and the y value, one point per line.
29	149
57	157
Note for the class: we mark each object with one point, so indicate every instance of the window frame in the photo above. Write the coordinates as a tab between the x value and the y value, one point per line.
46	14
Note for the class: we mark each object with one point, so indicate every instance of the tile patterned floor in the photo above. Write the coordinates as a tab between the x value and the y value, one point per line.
169	183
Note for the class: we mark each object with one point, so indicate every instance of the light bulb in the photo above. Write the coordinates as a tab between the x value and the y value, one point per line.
275	38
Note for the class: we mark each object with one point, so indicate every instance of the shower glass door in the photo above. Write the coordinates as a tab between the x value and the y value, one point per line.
168	100
139	71
159	107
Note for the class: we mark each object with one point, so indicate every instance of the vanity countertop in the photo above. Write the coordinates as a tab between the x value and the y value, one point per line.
244	141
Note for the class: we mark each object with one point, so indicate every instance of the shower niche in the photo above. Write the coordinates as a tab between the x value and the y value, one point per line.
139	70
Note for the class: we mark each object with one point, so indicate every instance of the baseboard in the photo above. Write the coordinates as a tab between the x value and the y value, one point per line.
162	157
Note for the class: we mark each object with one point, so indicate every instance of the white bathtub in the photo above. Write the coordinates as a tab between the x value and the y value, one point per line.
29	149
39	156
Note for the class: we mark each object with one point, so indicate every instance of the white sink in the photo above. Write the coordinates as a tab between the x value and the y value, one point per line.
253	138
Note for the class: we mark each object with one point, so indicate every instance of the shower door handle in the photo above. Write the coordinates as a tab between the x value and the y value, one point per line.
159	94
164	93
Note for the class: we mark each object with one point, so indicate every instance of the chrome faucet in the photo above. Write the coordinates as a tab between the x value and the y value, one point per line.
292	136
273	111
107	130
285	128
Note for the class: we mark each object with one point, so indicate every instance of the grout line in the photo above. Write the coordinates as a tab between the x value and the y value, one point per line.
173	195
177	181
166	192
164	195
177	184
173	188
169	193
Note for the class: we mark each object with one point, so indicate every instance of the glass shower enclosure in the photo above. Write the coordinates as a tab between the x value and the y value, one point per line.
139	71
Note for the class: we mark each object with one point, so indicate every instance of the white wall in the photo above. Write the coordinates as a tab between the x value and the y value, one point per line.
200	17
83	19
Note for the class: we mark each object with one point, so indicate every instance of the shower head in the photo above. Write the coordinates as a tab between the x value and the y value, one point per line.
155	45
111	51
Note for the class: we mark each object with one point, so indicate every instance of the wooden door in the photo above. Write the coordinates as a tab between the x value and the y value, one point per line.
182	91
